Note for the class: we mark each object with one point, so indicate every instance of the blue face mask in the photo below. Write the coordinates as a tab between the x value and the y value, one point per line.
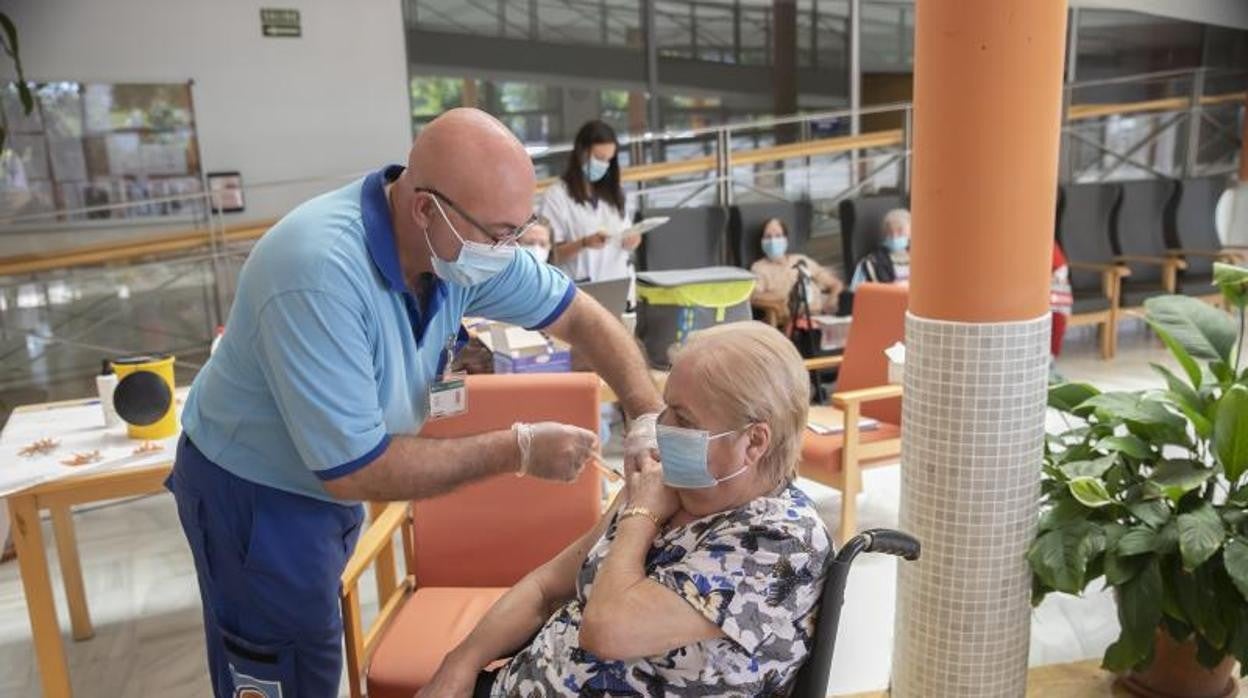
595	169
476	263
900	243
775	248
682	453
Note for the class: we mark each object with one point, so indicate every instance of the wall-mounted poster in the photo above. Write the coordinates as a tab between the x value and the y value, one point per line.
227	191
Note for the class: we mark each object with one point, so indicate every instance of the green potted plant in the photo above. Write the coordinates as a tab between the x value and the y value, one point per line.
1147	491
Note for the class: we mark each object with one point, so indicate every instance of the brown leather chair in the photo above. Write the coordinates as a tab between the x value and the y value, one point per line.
465	549
862	390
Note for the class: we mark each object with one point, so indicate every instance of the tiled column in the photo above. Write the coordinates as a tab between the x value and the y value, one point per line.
988	77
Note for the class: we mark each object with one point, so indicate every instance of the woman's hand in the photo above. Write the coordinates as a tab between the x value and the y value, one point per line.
453	679
646	490
630	242
595	241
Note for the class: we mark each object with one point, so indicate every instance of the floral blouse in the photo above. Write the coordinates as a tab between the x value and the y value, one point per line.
755	571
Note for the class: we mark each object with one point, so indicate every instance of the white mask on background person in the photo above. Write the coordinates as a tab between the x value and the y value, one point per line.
541	252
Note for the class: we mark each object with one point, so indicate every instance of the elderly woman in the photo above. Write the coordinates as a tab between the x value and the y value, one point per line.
704	576
777	273
889	262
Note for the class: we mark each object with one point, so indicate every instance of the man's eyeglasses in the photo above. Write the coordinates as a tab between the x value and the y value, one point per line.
498	240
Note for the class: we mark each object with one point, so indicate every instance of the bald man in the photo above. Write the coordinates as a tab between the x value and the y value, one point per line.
346	319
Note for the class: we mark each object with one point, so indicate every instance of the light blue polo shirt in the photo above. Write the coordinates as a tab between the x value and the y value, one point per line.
326	354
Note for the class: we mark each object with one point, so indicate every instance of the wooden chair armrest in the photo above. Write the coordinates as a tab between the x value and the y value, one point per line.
1209	254
1155	261
821	363
375	538
843	400
1103	268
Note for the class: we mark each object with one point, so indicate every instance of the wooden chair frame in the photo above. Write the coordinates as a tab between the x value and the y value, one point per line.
375	548
853	451
1106	320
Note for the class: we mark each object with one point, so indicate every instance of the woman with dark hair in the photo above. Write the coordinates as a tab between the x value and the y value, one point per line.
587	212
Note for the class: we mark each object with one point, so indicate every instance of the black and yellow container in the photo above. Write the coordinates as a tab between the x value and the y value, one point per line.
144	396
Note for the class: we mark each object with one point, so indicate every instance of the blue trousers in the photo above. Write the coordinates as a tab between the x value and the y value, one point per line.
268	564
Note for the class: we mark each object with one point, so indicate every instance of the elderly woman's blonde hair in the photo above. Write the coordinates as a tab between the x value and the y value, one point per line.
898	217
753	374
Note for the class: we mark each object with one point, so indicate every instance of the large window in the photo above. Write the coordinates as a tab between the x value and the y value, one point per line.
99	147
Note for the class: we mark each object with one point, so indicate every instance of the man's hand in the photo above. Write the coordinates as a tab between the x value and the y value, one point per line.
595	241
646	490
554	451
641	441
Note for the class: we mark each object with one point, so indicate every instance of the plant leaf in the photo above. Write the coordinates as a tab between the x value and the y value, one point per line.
1235	557
1064	512
1230	432
1153	512
1204	331
1139	613
1222	371
1088	468
1233	281
1090	492
1239	497
10	34
1201	533
1145	416
1120	569
1190	367
1136	541
1167	542
1178	477
1130	445
1060	557
1067	396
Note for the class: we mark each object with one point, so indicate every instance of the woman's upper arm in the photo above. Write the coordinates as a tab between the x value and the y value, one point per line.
557	577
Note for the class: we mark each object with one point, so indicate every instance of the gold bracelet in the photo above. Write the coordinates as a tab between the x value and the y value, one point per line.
642	511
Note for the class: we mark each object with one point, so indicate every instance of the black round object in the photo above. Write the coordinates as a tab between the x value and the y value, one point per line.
142	398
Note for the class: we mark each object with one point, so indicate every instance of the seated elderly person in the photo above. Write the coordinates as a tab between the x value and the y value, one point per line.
537	240
704	576
889	261
777	274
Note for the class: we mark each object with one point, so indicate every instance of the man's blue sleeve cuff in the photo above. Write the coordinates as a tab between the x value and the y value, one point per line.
568	294
347	468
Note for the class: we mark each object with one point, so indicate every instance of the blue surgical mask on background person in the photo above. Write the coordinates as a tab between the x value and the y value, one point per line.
595	169
775	248
901	243
682	453
477	262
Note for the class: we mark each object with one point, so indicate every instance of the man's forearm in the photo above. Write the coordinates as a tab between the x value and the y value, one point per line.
612	353
416	468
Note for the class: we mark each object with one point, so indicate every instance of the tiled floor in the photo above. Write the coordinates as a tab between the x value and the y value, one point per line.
143	598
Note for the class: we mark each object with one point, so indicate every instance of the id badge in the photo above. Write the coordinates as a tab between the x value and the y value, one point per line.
447	397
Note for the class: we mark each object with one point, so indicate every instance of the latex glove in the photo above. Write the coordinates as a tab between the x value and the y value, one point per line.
641	441
554	451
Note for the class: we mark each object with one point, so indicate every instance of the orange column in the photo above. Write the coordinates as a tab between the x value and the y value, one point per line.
987	96
987	117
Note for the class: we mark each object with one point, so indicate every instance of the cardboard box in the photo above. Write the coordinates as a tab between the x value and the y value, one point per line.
517	350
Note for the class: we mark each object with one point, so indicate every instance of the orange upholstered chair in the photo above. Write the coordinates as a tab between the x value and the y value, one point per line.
862	390
463	550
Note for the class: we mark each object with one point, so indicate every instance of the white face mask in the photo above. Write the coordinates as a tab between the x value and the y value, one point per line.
476	263
541	252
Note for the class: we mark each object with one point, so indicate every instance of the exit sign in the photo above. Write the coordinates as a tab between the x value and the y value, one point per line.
275	22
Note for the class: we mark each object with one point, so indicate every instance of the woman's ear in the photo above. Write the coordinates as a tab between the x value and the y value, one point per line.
758	442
